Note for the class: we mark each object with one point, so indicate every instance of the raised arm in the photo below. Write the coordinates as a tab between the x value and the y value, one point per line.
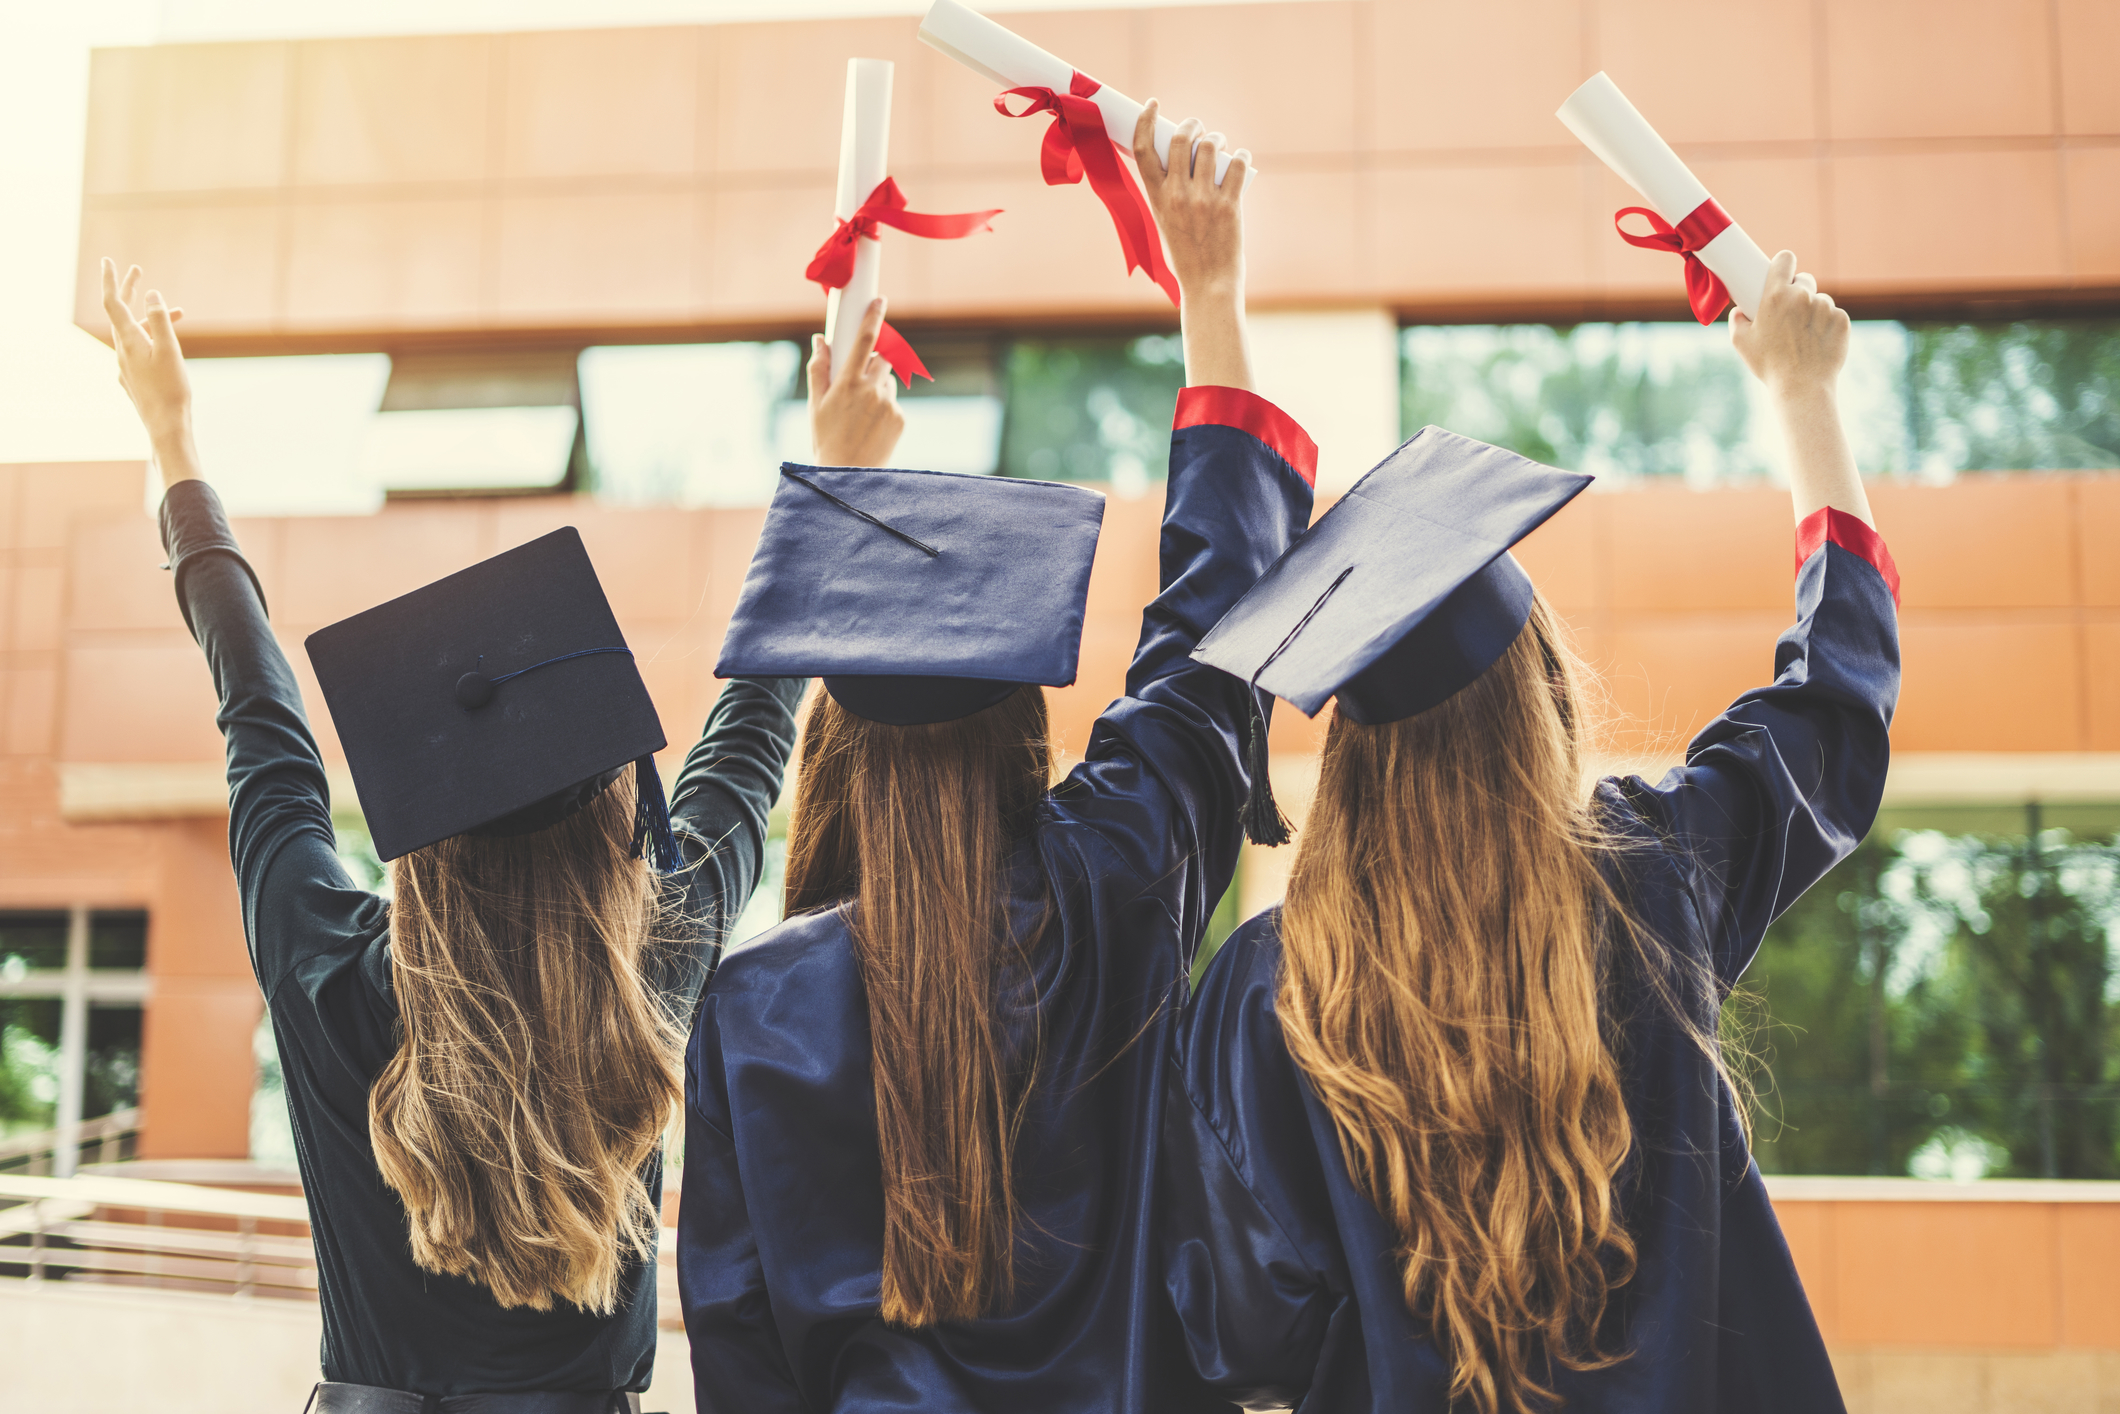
295	893
1164	771
732	777
725	792
1784	784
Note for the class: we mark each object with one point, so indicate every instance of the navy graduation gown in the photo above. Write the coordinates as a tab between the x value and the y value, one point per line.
780	1229
320	946
1281	1270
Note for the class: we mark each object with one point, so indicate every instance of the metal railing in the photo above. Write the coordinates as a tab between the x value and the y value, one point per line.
186	1237
106	1139
172	1236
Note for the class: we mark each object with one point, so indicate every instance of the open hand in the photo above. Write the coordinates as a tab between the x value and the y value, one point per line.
1800	339
856	420
1202	223
151	369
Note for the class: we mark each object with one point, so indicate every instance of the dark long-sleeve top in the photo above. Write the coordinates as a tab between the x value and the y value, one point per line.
320	946
1281	1271
780	1233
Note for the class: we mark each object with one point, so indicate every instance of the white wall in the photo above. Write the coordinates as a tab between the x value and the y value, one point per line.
1337	373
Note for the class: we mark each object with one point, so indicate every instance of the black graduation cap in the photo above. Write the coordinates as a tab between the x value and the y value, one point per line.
497	701
1400	595
918	596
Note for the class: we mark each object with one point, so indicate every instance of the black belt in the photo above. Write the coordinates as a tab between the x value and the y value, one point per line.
330	1397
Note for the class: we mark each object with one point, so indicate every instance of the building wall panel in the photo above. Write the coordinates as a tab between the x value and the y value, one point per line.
655	181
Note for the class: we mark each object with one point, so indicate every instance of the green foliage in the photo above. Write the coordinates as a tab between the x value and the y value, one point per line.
29	1064
1940	1002
1669	399
2032	395
1645	399
1091	409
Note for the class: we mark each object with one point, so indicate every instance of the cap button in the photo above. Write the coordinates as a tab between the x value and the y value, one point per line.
473	691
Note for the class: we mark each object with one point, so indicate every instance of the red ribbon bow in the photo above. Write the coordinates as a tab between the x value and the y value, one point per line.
1076	145
1704	290
833	265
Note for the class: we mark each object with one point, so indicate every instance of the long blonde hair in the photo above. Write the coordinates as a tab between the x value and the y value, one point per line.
536	1071
1447	937
912	826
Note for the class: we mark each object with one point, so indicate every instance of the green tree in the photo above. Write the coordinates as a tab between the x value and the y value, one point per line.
2025	396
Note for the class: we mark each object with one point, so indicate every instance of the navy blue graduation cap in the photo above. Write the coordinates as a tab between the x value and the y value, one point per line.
918	596
1399	596
497	701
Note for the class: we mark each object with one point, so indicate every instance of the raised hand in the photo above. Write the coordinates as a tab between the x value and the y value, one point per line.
1203	229
151	370
1796	347
855	421
1800	337
1202	223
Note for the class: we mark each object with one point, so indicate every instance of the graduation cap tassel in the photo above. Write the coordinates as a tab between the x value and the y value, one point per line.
652	835
1263	821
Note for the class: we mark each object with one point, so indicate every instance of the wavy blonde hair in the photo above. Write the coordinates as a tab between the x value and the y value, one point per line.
1447	937
535	1071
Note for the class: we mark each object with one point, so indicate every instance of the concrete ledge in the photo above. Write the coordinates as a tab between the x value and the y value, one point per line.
110	1350
1789	1188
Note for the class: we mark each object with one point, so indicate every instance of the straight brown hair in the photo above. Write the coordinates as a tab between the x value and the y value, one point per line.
909	829
535	1071
1449	940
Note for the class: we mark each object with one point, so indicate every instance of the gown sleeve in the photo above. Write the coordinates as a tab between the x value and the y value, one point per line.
1785	783
738	1362
1163	775
297	898
1257	1288
730	781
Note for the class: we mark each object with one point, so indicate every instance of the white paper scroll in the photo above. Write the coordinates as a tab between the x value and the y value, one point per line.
1615	130
1011	61
864	161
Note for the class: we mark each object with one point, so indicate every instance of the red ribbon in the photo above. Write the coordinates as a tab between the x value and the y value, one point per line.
833	265
1704	290
1076	145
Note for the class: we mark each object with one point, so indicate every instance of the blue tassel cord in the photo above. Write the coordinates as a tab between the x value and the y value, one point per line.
652	835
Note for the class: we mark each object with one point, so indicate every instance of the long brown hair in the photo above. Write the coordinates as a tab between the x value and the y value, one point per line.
912	827
1447	939
536	1071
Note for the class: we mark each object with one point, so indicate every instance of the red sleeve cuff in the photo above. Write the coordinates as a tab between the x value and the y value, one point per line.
1851	535
1248	412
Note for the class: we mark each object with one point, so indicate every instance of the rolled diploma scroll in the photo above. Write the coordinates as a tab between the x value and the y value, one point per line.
979	44
864	161
1615	130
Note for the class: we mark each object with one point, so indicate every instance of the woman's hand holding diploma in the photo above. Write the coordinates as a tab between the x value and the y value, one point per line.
1796	347
151	371
1203	229
856	421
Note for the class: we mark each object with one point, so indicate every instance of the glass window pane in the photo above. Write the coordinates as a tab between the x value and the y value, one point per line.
117	940
2026	396
29	1064
32	940
250	411
469	449
1672	399
691	424
1941	1005
112	1081
1091	409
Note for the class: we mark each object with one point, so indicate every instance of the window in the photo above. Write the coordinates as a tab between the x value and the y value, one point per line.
71	987
1092	409
1670	399
1946	1003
